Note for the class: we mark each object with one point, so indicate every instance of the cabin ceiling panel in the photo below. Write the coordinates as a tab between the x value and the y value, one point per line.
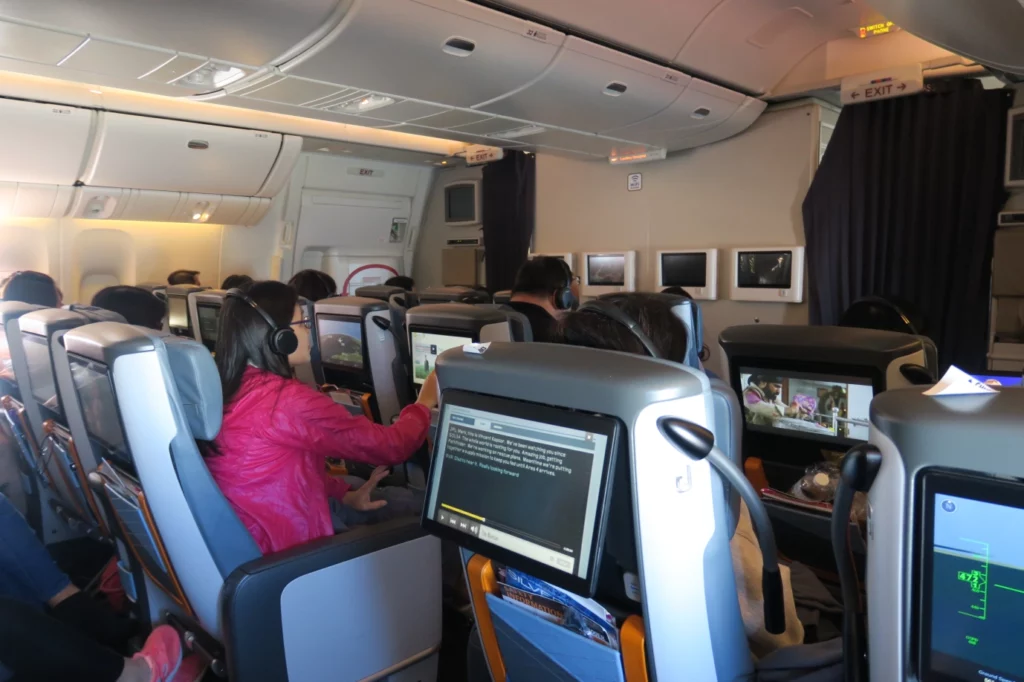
34	44
988	31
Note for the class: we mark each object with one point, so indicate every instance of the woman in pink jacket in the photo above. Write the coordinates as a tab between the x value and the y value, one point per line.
268	458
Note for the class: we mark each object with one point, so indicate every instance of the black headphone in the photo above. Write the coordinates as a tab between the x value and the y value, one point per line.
564	298
612	312
282	340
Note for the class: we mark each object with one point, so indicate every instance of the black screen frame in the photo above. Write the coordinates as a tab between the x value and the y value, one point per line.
473	336
665	282
361	372
471	187
606	425
120	456
617	283
200	306
177	329
29	340
739	257
930	483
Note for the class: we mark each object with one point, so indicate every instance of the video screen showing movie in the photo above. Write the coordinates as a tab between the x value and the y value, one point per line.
425	349
606	271
341	342
765	269
684	269
806	405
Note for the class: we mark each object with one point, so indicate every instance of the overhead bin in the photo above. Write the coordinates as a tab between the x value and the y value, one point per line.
594	89
161	154
42	143
24	200
741	119
110	203
446	51
701	107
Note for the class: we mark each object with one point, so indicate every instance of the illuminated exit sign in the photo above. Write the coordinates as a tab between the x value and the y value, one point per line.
895	82
879	29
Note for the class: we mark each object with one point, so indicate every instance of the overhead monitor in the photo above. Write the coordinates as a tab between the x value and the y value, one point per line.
99	410
608	272
177	312
773	274
341	342
694	271
427	344
209	323
524	484
462	203
806	405
970	578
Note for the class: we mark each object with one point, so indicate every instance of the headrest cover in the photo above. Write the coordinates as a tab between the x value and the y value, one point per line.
198	382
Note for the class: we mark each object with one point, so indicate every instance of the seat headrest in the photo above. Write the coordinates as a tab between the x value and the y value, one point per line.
195	374
689	313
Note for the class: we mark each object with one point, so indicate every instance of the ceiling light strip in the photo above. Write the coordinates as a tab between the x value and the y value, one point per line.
158	67
75	51
189	73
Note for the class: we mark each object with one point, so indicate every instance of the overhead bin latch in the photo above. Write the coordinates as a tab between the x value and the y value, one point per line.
198	144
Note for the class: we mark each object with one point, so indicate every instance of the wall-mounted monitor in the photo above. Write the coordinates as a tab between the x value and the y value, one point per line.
1015	149
341	342
769	274
426	344
694	271
462	203
608	272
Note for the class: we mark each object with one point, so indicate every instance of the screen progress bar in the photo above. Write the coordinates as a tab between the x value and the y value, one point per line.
464	513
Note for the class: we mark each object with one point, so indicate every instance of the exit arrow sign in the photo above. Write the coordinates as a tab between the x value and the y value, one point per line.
871	87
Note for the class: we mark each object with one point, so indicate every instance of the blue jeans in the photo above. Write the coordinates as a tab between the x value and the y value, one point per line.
27	572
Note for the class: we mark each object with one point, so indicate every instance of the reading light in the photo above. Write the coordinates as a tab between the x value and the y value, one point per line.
211	75
364	104
200	212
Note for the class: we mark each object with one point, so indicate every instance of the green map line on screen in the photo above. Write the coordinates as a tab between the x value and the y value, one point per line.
425	349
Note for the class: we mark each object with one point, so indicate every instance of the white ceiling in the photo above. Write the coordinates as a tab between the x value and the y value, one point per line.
710	61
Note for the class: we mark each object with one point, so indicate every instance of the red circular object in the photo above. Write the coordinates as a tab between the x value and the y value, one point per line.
344	287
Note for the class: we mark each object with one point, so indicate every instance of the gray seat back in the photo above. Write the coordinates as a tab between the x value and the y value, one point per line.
728	437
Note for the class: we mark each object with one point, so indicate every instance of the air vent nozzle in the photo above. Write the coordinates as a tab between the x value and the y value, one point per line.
459	47
700	112
614	89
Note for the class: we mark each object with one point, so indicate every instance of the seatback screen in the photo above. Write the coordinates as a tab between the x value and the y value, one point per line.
524	484
684	269
341	341
764	269
177	312
99	410
971	580
40	371
806	404
209	323
606	270
426	346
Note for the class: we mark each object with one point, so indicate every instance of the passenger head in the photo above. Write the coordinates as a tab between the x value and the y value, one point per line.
677	291
401	281
32	287
180	277
652	314
135	305
245	336
314	285
541	280
242	282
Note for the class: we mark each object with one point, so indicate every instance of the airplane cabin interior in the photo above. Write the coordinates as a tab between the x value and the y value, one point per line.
625	342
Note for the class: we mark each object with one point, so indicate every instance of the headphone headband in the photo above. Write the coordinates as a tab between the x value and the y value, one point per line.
282	340
612	312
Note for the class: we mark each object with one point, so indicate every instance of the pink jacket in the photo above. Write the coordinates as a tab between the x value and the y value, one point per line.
269	458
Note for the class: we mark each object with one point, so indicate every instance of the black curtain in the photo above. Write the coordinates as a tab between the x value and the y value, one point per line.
509	196
904	205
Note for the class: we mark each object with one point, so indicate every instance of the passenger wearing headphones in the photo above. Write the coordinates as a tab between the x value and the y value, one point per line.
644	324
268	458
313	285
544	288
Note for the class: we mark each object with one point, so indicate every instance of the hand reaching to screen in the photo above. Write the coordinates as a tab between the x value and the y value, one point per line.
428	392
359	499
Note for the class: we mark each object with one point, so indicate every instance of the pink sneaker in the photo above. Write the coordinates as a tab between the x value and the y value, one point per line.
192	669
162	652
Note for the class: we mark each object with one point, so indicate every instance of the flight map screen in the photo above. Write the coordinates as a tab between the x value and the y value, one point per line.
526	480
973	583
426	347
341	341
606	270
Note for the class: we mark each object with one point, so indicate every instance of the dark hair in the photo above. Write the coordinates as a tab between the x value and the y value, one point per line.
677	291
652	312
541	276
29	286
313	285
182	277
244	337
242	282
402	281
136	305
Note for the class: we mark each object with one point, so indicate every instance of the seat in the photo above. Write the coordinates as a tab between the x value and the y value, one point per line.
503	297
519	324
894	315
277	617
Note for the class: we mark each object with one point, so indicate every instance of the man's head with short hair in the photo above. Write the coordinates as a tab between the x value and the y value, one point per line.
135	305
29	286
401	281
179	277
242	282
538	281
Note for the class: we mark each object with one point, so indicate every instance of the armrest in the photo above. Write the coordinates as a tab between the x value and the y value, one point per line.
250	601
